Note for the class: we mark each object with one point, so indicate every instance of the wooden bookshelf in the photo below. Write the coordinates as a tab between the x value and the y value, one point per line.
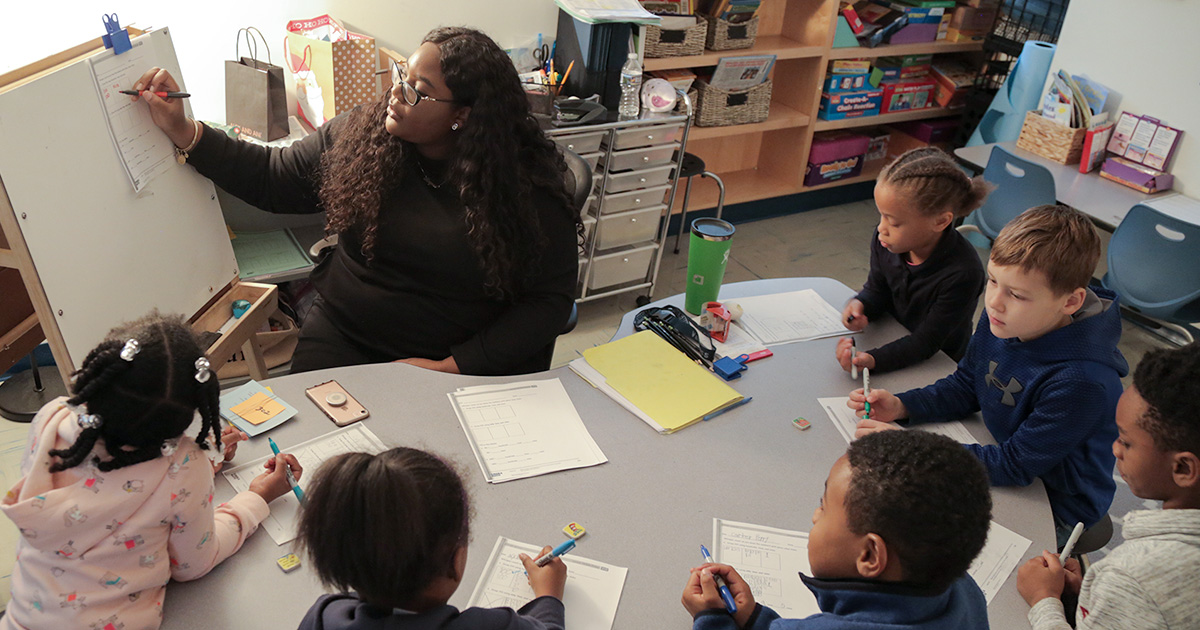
884	119
768	159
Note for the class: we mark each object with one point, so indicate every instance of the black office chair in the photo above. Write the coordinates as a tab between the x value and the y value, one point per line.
579	187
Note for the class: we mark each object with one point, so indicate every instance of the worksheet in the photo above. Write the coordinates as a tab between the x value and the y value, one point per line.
590	597
1003	552
281	524
525	429
788	317
846	422
770	560
145	151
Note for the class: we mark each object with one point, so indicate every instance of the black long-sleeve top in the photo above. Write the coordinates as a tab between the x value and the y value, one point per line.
935	300
422	295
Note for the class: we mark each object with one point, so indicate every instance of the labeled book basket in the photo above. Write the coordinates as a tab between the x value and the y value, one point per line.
675	43
725	35
1051	140
717	108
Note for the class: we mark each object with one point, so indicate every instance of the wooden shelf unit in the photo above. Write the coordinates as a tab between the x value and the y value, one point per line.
767	159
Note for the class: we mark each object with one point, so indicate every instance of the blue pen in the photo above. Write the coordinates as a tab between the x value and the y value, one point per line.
726	596
287	472
724	409
566	546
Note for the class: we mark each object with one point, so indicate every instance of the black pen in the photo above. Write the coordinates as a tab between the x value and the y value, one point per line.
159	94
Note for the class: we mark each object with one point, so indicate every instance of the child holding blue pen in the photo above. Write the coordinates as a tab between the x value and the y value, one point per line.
390	533
903	515
114	499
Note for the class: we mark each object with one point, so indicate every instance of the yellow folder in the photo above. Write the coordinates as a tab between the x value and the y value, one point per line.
660	380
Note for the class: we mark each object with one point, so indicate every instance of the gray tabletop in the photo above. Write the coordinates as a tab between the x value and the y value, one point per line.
647	509
1105	201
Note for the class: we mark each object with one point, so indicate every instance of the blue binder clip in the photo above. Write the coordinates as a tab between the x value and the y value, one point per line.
116	37
730	368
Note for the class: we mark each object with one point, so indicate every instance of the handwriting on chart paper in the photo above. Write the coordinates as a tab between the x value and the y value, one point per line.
145	151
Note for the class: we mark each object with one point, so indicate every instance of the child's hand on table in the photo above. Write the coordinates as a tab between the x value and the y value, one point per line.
548	580
701	592
273	484
854	309
1043	576
861	359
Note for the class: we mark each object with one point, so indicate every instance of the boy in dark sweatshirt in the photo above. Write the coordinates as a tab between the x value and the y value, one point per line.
903	516
1043	367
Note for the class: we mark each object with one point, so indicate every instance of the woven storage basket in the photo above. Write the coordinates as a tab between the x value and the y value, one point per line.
1051	140
716	107
722	35
676	43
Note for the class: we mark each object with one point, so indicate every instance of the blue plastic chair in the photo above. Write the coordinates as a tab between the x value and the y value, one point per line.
1020	185
1154	266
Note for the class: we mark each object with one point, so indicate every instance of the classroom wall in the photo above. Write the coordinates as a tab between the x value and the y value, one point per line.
1146	52
204	32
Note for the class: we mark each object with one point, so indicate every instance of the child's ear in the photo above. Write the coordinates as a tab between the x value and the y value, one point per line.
1186	470
943	220
872	557
1074	301
460	564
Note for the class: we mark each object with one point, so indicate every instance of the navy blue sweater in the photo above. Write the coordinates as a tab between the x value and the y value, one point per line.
870	605
935	300
1050	403
346	612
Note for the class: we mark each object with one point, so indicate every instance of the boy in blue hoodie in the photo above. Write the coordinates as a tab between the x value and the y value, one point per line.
903	516
1043	367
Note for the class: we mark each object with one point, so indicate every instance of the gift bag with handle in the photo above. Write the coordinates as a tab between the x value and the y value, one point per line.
255	97
335	69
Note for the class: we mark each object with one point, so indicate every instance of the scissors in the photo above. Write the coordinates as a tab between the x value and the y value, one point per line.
542	54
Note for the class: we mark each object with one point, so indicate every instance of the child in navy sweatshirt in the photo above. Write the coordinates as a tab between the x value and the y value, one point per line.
1043	367
903	516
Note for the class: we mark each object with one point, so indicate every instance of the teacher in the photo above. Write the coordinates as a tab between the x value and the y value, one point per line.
457	241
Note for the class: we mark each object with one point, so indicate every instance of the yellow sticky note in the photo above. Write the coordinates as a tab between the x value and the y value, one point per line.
258	408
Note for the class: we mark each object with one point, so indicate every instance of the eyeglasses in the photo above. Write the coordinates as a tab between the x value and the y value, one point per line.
411	95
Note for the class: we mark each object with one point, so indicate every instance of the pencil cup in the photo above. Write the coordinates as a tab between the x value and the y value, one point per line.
708	252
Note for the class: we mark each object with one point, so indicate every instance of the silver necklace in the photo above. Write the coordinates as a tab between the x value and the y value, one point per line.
425	176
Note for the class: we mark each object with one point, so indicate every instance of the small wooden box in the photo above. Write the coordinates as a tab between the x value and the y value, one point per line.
1051	140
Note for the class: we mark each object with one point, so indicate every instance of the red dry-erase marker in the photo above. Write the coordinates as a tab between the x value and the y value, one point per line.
159	94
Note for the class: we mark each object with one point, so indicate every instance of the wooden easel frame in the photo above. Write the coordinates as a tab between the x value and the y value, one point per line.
15	254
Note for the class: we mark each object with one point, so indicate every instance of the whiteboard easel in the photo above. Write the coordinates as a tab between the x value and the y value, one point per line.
93	253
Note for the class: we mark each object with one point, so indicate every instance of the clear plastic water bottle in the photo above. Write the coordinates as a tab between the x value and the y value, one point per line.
631	88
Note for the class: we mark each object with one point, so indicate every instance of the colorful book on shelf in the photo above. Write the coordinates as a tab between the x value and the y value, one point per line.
852	19
742	73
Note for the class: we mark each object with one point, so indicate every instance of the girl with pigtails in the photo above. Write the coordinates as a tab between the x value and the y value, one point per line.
114	498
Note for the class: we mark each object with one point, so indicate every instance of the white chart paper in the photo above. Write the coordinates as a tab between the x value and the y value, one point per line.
525	429
1002	553
788	317
770	561
591	595
281	524
846	422
145	151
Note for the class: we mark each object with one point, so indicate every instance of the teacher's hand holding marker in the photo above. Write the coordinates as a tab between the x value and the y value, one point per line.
884	410
167	113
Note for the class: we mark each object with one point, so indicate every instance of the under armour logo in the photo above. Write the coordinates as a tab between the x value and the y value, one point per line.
1010	389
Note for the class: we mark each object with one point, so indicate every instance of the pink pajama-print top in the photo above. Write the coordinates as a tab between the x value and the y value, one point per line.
98	548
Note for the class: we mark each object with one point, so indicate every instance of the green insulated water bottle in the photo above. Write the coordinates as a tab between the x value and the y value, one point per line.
708	252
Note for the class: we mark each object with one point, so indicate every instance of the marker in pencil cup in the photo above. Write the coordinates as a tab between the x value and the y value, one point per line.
866	392
1070	546
564	547
722	588
287	472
